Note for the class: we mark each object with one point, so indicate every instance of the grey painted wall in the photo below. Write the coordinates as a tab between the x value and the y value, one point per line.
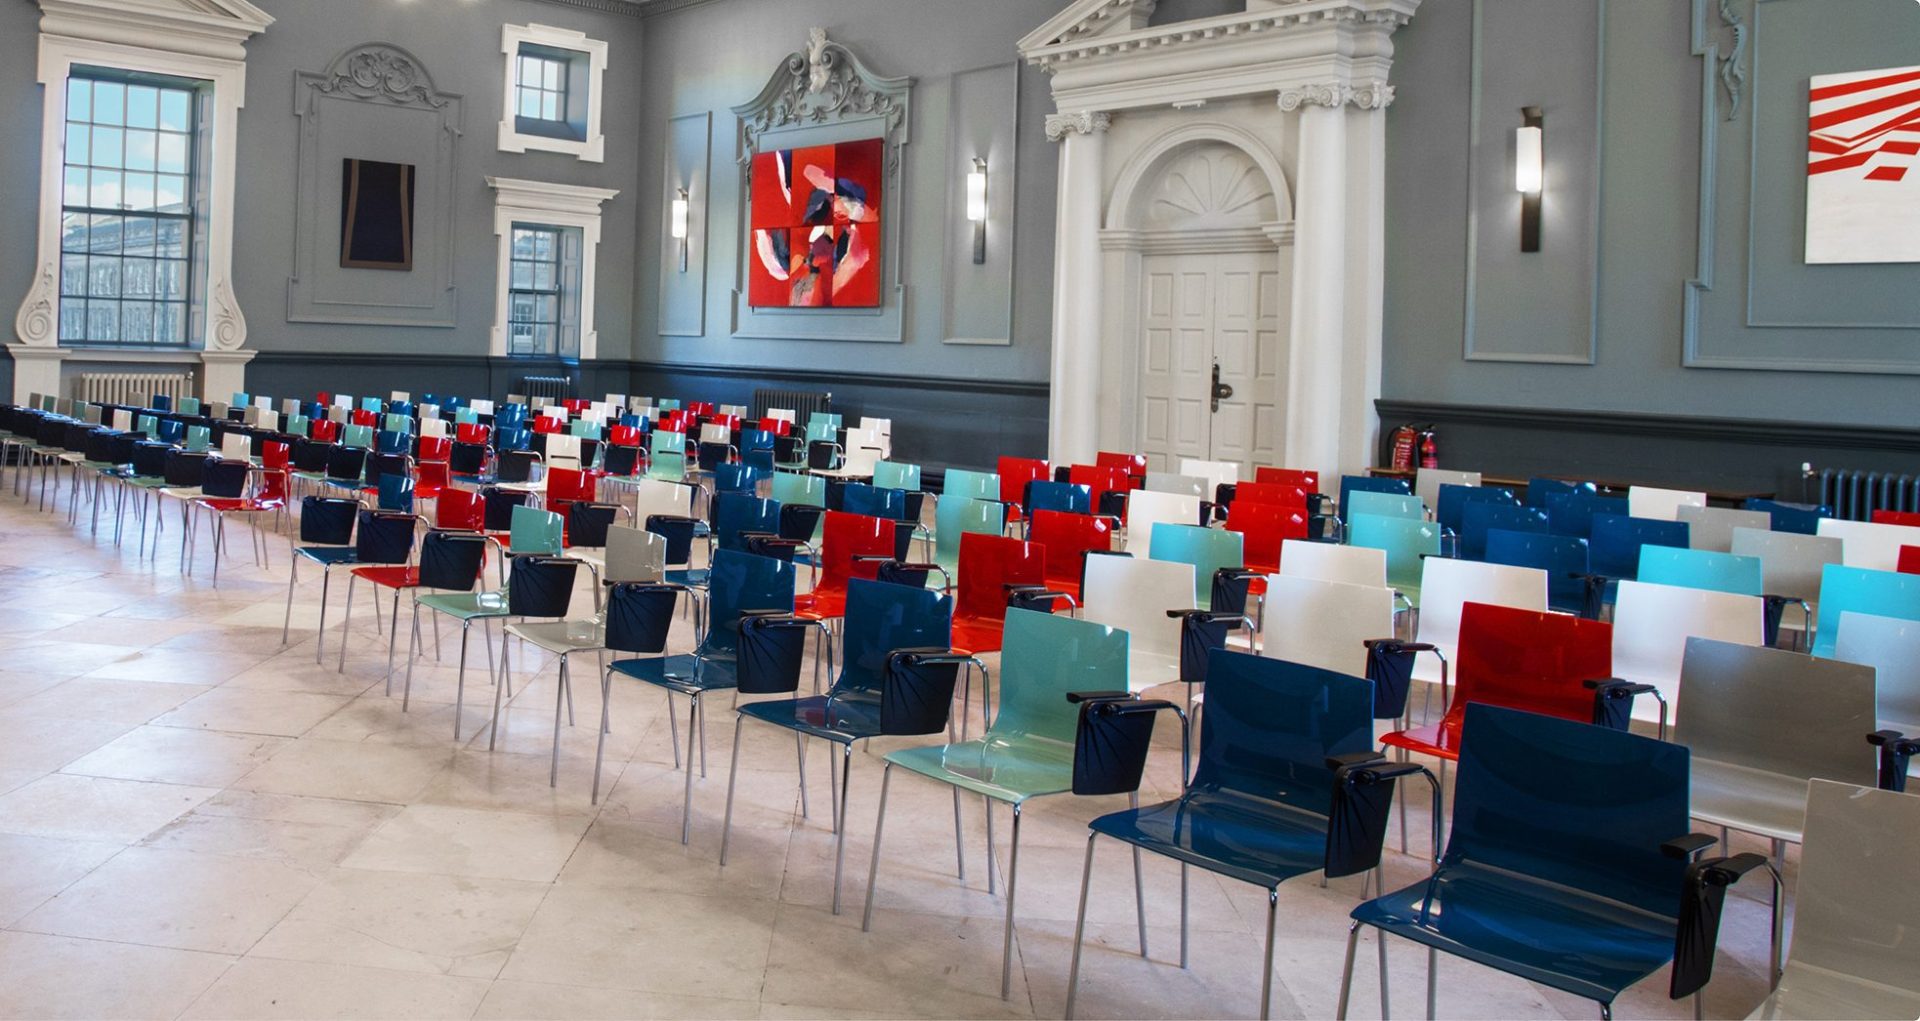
1649	204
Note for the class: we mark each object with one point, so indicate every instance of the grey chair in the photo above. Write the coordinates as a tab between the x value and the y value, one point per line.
1711	528
1854	954
631	555
1790	567
1890	646
1185	485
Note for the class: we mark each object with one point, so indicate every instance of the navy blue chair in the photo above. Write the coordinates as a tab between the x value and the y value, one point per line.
1478	519
1800	518
737	514
873	502
328	525
1350	484
638	617
1539	488
738	584
1572	513
1565	558
1569	863
1617	538
1454	500
1289	784
896	679
1057	496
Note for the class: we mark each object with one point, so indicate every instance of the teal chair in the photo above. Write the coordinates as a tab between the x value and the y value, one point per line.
534	532
199	438
466	416
1028	751
822	432
1882	593
1405	541
370	404
826	418
1207	549
956	516
663	442
583	428
668	404
189	406
147	425
1701	569
1386	505
896	475
296	425
667	466
399	424
789	488
971	484
356	436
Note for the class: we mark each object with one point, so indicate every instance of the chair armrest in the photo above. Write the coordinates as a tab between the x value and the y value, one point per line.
1396	645
1077	697
1702	898
1363	785
1896	750
1212	617
1112	738
1613	702
1033	593
1688	847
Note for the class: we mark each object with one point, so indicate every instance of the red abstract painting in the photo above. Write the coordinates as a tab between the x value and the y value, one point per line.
815	219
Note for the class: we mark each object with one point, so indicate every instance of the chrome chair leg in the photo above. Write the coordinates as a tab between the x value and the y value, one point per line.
673	731
840	841
1183	916
413	639
1433	972
565	693
460	680
393	640
1346	973
1266	965
686	799
1385	1006
600	748
987	804
493	728
873	868
346	621
1139	888
726	821
1006	941
320	635
800	751
959	845
1079	926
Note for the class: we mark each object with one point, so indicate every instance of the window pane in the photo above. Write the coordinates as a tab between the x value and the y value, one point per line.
77	148
103	276
136	322
543	278
139	191
549	106
140	150
172	278
79	99
73	319
546	308
169	238
522	243
170	193
136	278
109	103
74	229
174	110
107	145
74	192
137	235
103	320
172	327
105	235
105	191
522	275
73	274
143	106
172	154
550	74
543	244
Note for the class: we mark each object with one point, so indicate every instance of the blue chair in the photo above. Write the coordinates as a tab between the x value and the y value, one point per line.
1288	774
1362	503
1539	488
1572	513
1617	538
395	493
738	478
1882	593
329	525
1567	864
1800	518
735	515
1478	519
1564	558
1057	496
873	502
1350	484
737	584
1701	569
896	679
1450	507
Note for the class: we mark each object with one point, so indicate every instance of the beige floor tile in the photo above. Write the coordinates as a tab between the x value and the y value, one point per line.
653	940
110	699
176	899
46	743
293	990
177	755
92	808
284	714
283	827
354	771
471	842
39	867
508	1001
178	666
442	925
57	977
634	856
930	965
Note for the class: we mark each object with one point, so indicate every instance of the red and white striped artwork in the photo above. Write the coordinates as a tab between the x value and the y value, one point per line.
1863	189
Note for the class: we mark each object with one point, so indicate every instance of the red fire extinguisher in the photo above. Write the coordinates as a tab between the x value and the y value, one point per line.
1406	441
1429	449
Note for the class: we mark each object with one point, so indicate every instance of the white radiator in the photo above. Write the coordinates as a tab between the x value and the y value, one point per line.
126	387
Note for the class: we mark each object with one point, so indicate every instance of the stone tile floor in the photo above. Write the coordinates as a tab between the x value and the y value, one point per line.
197	821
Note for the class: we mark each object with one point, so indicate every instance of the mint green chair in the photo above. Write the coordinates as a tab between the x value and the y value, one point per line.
1861	590
1701	569
399	424
822	432
896	475
669	404
147	425
296	425
955	516
1386	505
534	532
827	418
188	406
670	467
976	485
789	488
356	436
663	442
1405	541
370	404
1207	549
1027	752
466	416
583	428
199	438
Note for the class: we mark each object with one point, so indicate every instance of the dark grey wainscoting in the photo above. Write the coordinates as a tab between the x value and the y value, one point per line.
301	374
1682	451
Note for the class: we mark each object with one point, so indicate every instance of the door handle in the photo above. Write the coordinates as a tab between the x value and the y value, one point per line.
1221	391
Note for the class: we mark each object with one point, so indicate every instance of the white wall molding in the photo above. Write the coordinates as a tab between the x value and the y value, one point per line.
593	148
559	205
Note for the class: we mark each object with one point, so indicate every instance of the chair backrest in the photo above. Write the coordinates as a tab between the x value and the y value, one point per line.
1067	538
386	537
1217	473
1479	519
896	475
657	496
873	502
1450	512
328	520
1661	504
1350	484
791	488
1045	657
845	539
1799	518
1324	623
1271	492
1135	595
1309	480
1842	588
1015	473
1388	505
738	582
535	531
1651	626
1527	659
1615	549
1271	726
570	485
346	464
1869	545
1427	483
1693	568
1571	512
955	516
1405	540
451	560
540	586
1207	549
498	507
1056	496
185	468
738	513
737	478
225	478
1324	561
1581	807
1909	562
1147	508
882	618
236	446
1264	529
1447	586
587	523
1169	482
1711	528
634	555
1891	646
987	565
639	617
1849	918
1777	711
962	483
1791	563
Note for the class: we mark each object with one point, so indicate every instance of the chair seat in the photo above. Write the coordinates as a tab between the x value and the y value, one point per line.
239	505
562	636
396	576
1539	932
331	556
1432	739
821	604
1147	668
995	768
147	482
979	635
686	674
1751	800
1807	993
1236	836
688	577
181	492
842	720
466	605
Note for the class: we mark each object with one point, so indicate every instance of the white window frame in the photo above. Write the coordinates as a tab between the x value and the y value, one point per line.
559	205
593	148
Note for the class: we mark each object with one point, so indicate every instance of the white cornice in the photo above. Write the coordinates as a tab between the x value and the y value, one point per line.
207	28
545	195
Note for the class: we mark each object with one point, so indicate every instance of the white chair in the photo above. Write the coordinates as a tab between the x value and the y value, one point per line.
658	496
1168	482
1711	528
631	555
617	400
236	447
1853	953
123	421
270	421
290	406
1134	595
558	411
1447	585
1890	646
883	426
433	427
873	439
1324	561
428	411
1217	473
1146	508
783	414
263	403
1661	504
1324	624
343	401
1791	565
1866	544
1427	483
482	407
736	410
1651	625
563	451
712	432
250	416
399	395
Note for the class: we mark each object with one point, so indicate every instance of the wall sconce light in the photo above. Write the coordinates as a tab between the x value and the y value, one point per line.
977	208
678	225
1529	159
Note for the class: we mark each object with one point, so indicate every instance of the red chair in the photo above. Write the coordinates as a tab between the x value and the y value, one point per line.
567	486
845	540
701	408
1135	465
624	435
1102	480
1909	562
1894	517
1308	480
1263	527
472	432
988	564
1015	473
1067	538
575	405
1520	659
431	472
460	510
324	398
776	426
323	430
361	416
1276	493
548	424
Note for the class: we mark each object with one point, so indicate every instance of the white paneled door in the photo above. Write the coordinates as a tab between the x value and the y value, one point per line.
1209	379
